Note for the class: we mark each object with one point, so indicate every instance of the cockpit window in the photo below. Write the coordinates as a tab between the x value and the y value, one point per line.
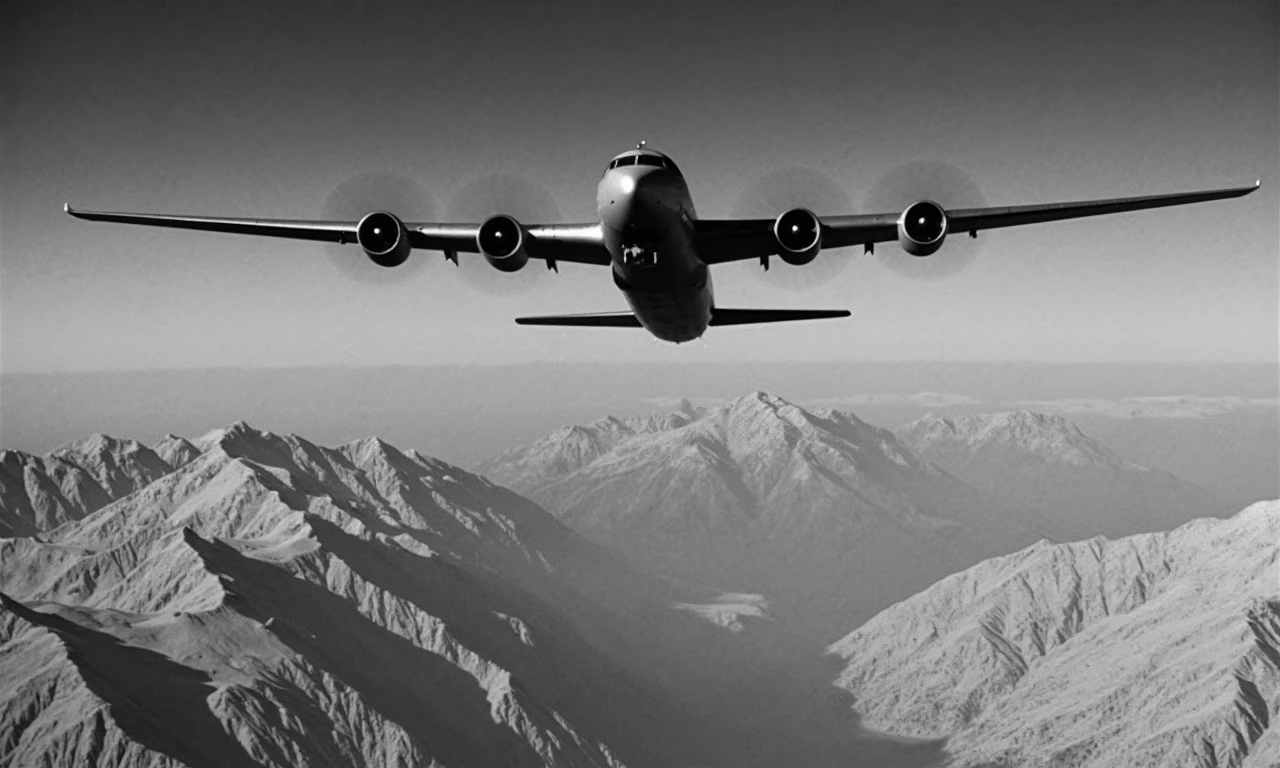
657	161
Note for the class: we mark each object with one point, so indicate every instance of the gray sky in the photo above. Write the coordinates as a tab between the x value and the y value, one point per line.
251	109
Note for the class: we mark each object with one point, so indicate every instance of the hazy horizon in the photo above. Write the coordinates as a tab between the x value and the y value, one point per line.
1224	436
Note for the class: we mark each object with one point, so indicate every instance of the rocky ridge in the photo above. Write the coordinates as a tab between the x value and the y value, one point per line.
828	517
38	493
273	602
1157	649
1043	462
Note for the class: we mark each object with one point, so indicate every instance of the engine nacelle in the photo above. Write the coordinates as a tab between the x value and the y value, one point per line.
501	240
922	227
799	236
384	239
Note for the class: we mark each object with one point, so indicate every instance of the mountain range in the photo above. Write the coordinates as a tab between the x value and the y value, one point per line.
1043	462
248	598
1159	649
831	518
38	493
273	602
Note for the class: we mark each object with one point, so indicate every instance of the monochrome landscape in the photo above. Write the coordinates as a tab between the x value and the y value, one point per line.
742	582
663	384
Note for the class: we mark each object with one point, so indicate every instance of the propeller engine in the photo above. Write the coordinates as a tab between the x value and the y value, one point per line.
924	191
799	235
501	239
800	193
384	239
501	202
922	227
379	192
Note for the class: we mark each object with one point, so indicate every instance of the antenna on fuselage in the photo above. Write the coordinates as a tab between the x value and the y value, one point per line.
640	145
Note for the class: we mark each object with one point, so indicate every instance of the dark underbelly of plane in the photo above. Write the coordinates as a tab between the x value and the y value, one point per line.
674	308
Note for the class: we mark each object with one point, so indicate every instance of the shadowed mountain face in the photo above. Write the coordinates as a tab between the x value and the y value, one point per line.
38	493
1045	463
267	601
827	516
1154	650
247	598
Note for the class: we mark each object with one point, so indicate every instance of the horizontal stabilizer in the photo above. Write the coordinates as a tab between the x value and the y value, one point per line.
745	316
600	319
718	317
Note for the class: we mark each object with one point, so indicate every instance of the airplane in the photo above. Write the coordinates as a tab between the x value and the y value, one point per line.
658	250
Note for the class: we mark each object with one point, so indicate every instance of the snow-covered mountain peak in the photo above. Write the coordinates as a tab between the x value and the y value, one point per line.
763	403
760	494
761	421
98	444
111	459
39	493
1045	462
175	450
233	431
369	449
1046	435
687	408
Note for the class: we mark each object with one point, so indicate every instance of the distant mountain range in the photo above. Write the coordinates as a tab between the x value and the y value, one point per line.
1159	649
827	516
1045	463
832	518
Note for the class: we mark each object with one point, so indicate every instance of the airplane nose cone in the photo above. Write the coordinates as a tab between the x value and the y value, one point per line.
625	197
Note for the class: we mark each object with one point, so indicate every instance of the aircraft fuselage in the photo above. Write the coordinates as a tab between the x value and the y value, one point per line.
646	216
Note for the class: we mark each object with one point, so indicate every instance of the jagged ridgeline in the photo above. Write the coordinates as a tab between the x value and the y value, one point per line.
254	599
832	518
1159	649
1043	462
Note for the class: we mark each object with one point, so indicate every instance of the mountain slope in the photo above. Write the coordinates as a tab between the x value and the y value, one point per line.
272	602
1159	649
175	450
573	447
1044	462
827	516
38	493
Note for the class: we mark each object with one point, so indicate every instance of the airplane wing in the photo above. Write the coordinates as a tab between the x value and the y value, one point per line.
719	316
722	241
580	243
